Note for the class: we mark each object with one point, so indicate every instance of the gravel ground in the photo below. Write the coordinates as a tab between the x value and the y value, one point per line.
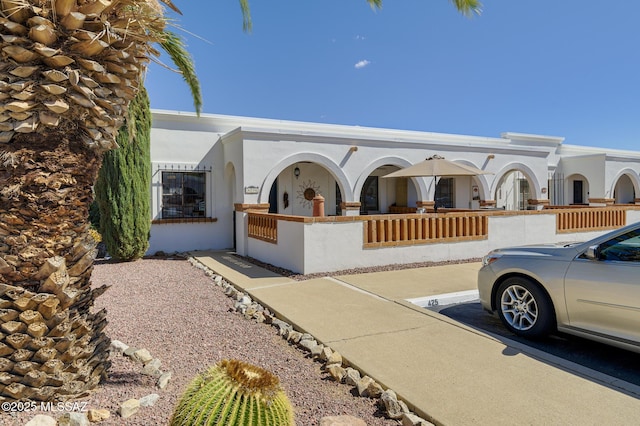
176	312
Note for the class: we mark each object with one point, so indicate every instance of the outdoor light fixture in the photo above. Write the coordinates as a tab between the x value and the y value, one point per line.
296	172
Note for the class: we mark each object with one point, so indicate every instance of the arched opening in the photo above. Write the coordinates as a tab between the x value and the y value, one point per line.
392	195
291	184
577	189
460	192
293	190
624	191
513	190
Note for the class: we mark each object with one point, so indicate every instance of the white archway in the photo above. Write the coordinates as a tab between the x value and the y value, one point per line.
577	189
510	190
338	174
399	162
626	187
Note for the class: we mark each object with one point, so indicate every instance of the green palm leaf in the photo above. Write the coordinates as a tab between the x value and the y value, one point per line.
466	7
174	45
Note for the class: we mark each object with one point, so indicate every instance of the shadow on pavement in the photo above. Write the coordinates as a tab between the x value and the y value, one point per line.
619	363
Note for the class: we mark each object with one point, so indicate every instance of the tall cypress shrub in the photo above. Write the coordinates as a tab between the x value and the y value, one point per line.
122	188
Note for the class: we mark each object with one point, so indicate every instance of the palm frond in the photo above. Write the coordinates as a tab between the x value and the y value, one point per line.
171	6
246	16
468	7
176	49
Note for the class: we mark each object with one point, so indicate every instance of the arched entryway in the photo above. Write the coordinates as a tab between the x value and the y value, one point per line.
293	191
381	195
577	189
291	184
624	191
377	194
513	190
460	192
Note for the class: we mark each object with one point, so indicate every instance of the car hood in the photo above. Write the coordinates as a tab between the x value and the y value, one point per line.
555	249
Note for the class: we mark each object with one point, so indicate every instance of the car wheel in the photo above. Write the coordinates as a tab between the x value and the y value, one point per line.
524	308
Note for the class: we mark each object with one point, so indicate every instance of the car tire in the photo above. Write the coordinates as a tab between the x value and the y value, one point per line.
524	308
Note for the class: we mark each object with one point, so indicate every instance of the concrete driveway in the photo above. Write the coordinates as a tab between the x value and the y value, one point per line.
446	372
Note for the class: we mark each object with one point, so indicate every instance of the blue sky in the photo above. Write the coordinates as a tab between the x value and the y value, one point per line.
565	68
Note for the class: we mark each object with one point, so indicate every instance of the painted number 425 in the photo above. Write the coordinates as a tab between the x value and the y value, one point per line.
432	302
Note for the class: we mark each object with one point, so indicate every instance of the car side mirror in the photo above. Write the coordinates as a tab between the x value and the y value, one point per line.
593	253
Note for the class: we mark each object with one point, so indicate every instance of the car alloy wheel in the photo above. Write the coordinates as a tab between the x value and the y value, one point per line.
525	308
519	308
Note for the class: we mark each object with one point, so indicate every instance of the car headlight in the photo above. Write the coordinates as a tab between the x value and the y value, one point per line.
490	258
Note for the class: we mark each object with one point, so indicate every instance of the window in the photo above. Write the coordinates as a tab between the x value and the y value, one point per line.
445	193
624	248
523	193
183	195
369	196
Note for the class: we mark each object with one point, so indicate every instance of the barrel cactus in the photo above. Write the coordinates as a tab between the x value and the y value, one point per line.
233	392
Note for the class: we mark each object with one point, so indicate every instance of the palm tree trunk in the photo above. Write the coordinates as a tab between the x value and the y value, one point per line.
53	344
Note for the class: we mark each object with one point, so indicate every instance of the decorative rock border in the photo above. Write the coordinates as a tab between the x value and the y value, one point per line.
150	367
334	365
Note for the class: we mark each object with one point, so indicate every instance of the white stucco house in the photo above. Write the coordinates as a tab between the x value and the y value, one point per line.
210	171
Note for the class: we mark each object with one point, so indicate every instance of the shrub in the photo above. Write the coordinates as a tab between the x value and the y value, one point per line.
122	188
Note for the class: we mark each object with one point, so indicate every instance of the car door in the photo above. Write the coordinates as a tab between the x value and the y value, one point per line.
603	294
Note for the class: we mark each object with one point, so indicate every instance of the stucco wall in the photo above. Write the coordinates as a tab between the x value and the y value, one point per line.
187	236
289	253
592	167
334	246
178	149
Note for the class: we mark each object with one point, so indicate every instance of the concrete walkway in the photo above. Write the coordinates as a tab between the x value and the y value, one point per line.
446	372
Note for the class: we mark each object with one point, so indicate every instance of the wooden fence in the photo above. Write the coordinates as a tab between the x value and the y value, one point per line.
590	219
263	227
385	231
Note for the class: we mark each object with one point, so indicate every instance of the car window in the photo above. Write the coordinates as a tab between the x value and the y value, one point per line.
625	247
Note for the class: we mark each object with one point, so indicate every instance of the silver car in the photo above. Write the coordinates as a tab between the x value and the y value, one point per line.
589	289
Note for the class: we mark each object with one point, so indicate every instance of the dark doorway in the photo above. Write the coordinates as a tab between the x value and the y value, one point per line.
369	196
445	193
273	197
577	192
